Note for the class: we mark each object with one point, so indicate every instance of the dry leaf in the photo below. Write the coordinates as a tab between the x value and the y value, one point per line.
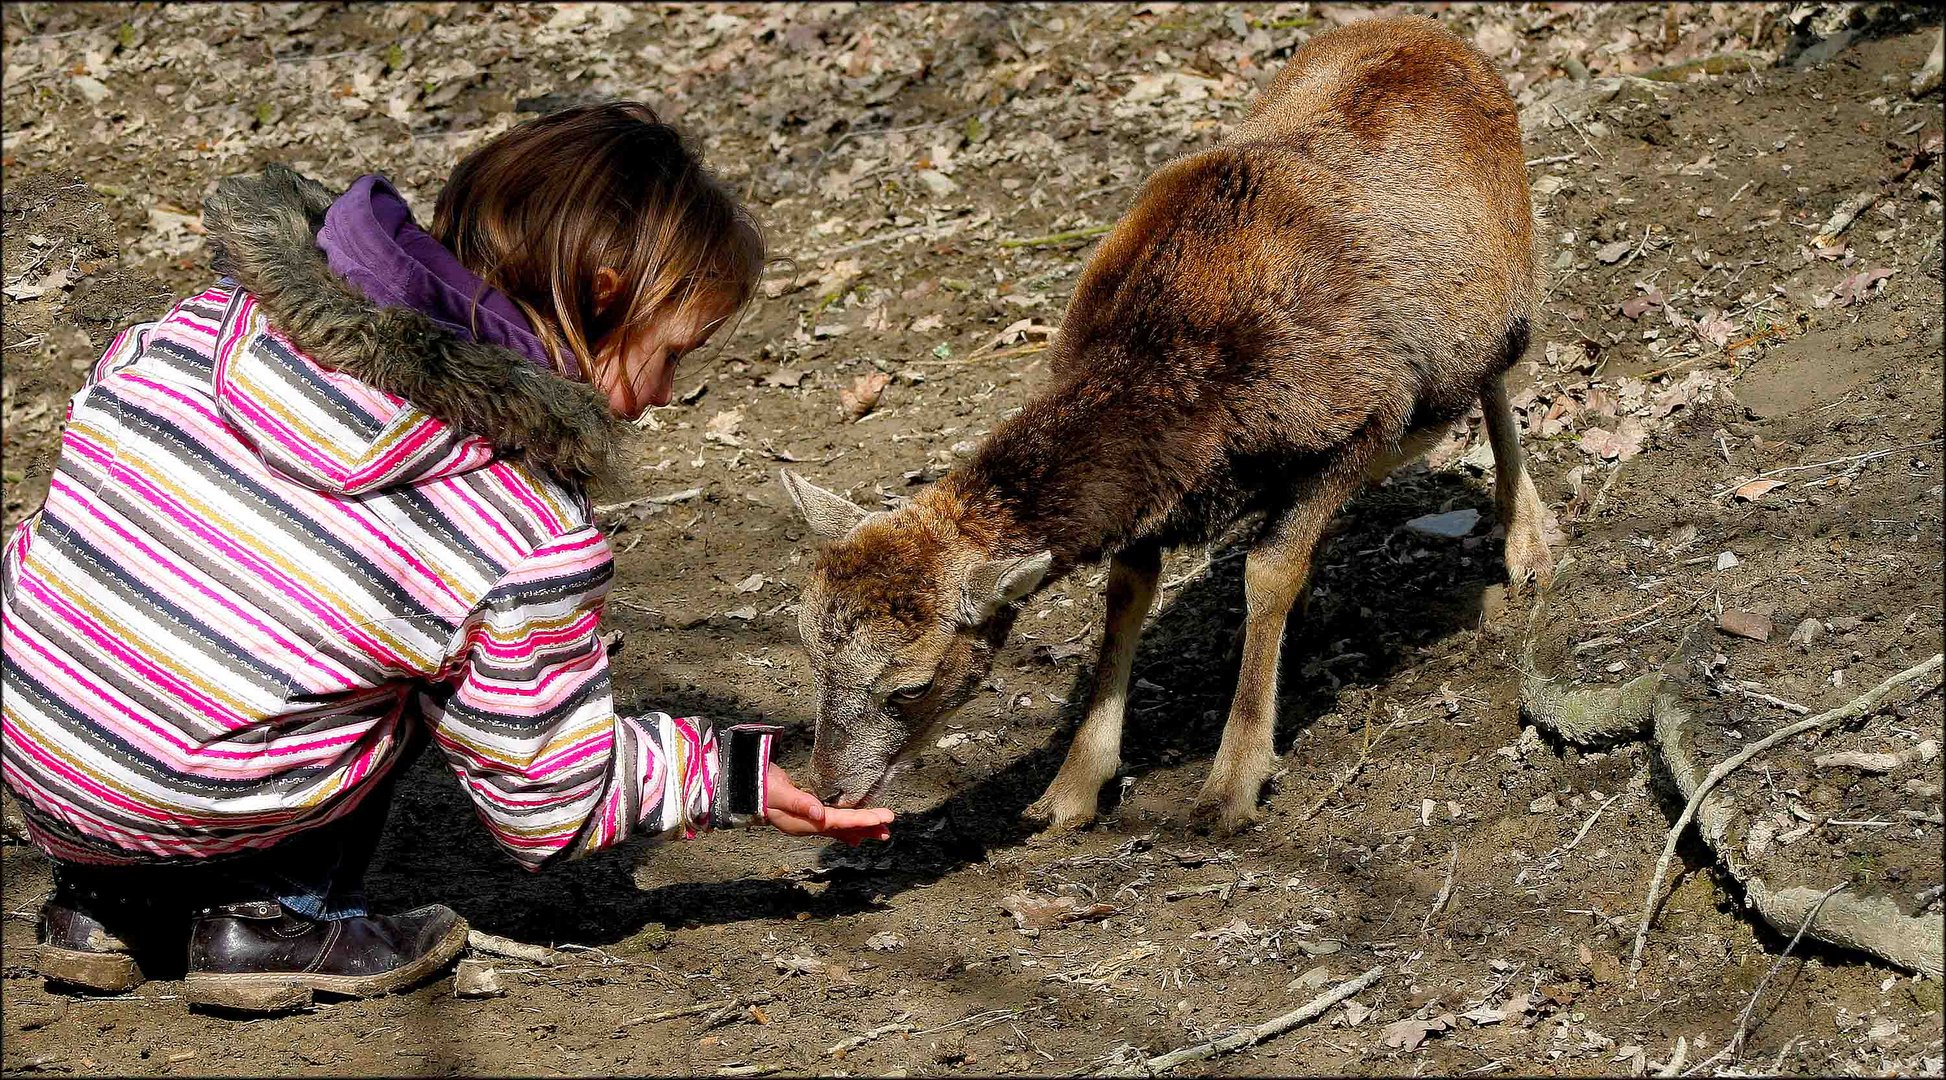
1612	253
1858	288
863	396
1618	445
1640	305
1757	489
1408	1033
1037	913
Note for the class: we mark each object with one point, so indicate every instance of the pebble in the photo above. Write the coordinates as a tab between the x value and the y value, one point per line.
477	979
1546	804
1744	624
1450	525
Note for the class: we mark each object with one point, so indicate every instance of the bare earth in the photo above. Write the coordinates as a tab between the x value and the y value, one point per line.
894	152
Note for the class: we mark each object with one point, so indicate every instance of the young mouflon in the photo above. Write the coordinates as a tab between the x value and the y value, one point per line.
1277	320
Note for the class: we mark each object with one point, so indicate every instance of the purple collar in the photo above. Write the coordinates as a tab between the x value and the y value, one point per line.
370	241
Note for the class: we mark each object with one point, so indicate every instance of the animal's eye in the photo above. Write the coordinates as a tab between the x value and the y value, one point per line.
909	694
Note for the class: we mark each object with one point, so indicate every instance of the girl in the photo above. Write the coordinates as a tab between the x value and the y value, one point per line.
333	508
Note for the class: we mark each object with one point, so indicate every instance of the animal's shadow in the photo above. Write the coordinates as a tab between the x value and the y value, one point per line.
1378	596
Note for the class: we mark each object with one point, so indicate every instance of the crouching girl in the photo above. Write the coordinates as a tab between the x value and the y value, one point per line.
334	508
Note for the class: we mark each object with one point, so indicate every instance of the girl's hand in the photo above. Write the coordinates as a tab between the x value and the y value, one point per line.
797	812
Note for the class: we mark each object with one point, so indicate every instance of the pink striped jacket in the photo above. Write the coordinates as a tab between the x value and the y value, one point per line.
253	569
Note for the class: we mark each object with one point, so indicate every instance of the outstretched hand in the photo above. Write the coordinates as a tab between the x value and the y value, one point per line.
799	813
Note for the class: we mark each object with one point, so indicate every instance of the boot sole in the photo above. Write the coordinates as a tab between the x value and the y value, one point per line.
107	973
272	993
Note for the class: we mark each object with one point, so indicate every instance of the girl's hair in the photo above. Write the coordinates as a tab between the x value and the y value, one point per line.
539	210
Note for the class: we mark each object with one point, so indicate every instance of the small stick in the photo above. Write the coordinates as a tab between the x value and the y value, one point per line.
1861	705
1446	890
1590	823
496	945
1553	160
876	1033
1846	213
1787	706
1825	464
684	495
1632	614
1735	1047
671	1014
1056	238
1251	1036
1352	773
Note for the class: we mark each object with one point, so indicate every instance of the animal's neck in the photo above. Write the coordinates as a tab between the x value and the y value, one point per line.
1069	474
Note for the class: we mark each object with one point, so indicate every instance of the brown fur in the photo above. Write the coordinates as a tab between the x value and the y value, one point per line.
1273	321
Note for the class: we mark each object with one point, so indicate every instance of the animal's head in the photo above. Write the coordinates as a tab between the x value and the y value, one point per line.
901	618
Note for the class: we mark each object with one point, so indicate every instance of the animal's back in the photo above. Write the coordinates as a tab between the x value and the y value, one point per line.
1422	128
1357	257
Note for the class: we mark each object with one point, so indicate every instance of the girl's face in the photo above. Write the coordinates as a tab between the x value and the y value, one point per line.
638	370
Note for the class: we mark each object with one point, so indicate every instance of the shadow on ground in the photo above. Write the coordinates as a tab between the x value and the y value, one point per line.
1356	632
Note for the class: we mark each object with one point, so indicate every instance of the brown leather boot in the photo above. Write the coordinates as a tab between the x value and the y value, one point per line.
78	949
258	957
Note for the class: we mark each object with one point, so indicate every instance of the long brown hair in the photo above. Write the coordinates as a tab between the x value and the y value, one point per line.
539	210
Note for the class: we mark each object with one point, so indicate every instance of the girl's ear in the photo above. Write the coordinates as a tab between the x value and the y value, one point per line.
608	287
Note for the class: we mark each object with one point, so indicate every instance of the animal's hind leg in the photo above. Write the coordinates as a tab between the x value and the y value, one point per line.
1520	505
1274	576
1096	752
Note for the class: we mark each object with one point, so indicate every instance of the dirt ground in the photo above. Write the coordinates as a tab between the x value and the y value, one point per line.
1697	332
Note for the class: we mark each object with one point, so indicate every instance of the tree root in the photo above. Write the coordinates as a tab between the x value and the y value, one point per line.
1651	704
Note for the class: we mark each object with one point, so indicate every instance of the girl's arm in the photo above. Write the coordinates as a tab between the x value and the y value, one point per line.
528	720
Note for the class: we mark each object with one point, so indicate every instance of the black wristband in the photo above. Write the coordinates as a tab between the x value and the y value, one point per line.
744	756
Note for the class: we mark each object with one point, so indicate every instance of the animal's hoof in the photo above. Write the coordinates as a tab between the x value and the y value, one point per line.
1538	573
1224	816
1058	811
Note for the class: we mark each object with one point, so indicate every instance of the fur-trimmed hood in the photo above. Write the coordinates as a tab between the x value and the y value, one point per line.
263	234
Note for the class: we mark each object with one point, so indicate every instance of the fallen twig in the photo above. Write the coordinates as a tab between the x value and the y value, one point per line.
1719	64
671	1014
1251	1036
1861	705
1768	699
1056	238
496	945
1590	823
1445	891
1825	464
873	1035
1846	213
1552	159
684	495
1364	758
1734	1048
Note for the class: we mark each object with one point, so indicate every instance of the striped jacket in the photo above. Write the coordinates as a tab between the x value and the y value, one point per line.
253	569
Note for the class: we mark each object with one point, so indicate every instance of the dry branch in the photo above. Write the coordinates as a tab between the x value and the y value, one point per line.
1251	1036
513	950
1056	238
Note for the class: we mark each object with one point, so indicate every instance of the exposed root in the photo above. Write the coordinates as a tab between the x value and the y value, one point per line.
1651	704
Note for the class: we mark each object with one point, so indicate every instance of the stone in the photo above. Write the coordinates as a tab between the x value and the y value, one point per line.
1744	624
1450	525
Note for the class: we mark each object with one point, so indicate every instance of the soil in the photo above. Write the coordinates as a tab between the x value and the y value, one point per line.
1408	771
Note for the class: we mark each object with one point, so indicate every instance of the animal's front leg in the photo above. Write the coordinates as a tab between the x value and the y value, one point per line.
1096	753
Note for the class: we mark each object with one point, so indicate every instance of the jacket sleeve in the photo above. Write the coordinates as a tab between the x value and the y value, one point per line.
527	718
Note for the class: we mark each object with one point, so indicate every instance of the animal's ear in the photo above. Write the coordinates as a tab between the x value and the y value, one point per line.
995	583
827	513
